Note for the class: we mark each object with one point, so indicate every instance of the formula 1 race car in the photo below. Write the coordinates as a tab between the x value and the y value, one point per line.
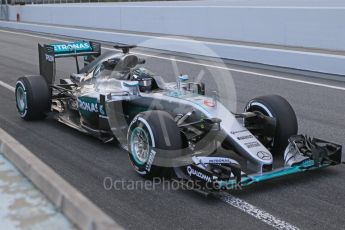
170	129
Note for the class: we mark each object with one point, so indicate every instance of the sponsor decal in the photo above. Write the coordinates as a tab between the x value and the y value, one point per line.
150	160
252	144
88	106
194	172
209	103
213	160
240	131
264	155
245	137
219	161
71	47
49	58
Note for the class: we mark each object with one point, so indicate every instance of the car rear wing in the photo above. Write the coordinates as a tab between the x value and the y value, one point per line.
48	54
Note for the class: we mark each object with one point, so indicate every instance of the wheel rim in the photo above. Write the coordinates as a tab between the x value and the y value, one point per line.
140	147
21	99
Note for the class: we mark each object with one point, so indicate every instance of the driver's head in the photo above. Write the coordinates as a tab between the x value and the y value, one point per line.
142	73
144	77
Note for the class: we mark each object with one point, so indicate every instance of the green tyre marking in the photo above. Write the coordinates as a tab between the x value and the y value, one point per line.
21	98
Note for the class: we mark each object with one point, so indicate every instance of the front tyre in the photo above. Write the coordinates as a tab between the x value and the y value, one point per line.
154	140
32	97
279	108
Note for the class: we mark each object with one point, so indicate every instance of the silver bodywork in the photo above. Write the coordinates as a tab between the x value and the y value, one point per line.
170	128
116	91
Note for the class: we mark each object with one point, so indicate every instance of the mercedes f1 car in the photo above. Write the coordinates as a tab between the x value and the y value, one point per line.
170	129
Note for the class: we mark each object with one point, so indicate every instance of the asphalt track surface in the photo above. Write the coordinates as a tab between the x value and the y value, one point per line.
313	200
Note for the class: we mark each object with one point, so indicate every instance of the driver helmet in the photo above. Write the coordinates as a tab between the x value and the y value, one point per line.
144	77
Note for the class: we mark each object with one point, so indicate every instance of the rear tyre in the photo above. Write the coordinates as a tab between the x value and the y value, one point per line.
154	140
32	97
279	108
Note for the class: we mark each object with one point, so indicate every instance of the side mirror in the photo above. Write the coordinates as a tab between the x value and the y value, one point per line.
183	78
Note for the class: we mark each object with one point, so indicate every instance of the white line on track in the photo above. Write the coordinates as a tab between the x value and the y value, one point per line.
7	86
202	64
257	213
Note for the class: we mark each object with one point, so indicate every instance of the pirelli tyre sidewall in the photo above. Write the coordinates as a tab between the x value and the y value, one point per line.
32	97
21	99
147	126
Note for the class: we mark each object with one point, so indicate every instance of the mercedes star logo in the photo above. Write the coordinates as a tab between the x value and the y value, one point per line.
264	155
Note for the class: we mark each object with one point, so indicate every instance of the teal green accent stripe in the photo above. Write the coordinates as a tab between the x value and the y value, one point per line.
282	172
250	179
